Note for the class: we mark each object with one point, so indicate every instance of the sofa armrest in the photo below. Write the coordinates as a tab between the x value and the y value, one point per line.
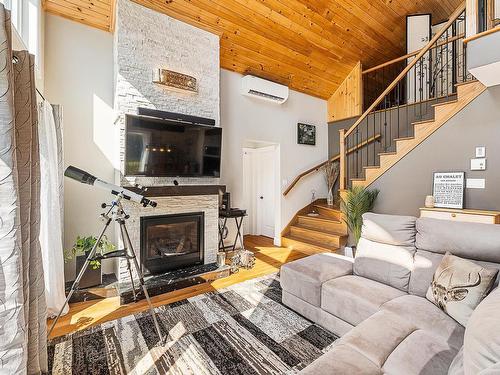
303	278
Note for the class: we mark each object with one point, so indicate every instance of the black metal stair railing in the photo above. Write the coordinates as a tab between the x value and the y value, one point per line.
403	92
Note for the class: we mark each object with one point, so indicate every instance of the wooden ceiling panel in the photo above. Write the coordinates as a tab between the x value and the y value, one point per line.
95	13
309	45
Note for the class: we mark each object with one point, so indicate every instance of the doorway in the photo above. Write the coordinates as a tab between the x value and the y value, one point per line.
261	188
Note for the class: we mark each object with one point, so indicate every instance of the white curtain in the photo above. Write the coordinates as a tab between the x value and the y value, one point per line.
50	209
23	313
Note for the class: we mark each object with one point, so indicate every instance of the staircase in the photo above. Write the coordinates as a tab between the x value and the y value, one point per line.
326	232
429	87
444	111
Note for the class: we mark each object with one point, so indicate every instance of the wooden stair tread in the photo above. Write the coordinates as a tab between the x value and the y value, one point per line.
327	207
387	153
403	138
320	231
445	102
465	82
320	218
422	122
371	167
308	242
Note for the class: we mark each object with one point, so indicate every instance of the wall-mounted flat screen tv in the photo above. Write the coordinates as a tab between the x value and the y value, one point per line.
167	148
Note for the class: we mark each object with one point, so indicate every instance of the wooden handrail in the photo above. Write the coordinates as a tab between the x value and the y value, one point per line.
408	55
370	140
405	71
484	33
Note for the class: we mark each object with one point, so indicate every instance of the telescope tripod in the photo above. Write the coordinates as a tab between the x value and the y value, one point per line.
117	214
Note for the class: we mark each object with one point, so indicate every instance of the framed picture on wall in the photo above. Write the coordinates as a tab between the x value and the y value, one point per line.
306	134
449	189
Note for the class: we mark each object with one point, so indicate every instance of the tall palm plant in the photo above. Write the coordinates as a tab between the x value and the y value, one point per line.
355	203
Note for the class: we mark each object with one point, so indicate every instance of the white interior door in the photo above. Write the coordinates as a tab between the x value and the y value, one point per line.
266	190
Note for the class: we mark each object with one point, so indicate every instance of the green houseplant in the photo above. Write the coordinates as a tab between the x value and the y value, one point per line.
354	204
80	250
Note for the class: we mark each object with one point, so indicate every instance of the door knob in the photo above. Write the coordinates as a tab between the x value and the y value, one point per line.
261	197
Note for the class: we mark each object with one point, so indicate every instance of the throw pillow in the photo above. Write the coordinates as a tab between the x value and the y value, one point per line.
459	285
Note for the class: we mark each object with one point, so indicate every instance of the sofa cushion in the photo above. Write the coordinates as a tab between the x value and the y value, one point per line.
385	250
342	359
459	285
389	229
467	240
303	278
388	264
355	298
426	316
377	336
420	353
482	338
424	267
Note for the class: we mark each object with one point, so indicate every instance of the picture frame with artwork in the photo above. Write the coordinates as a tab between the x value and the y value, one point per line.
448	189
306	134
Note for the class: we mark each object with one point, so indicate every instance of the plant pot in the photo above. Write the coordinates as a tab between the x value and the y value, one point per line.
91	277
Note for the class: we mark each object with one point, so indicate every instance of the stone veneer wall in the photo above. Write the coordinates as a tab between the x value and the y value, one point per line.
209	204
146	40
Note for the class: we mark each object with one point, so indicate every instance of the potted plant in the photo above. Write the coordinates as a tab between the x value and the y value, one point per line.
354	204
331	171
80	251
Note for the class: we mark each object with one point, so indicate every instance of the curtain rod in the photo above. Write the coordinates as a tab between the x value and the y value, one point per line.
15	60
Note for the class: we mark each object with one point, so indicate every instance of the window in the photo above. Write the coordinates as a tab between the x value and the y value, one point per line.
26	18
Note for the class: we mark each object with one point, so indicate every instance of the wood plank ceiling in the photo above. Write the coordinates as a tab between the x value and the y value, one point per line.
309	45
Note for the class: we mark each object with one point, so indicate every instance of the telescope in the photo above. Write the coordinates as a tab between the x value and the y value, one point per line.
86	178
119	216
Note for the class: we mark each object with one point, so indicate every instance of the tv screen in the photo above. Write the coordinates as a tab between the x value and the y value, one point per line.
165	148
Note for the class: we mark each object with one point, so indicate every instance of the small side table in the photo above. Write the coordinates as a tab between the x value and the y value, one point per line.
238	216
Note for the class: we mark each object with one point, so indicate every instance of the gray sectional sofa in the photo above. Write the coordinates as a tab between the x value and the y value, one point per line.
376	303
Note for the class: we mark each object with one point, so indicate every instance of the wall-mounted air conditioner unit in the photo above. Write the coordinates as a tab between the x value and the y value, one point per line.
263	89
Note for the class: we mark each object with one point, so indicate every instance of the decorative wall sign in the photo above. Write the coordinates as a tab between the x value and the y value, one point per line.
176	80
448	189
306	134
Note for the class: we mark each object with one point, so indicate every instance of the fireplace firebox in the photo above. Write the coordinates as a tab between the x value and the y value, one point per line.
170	242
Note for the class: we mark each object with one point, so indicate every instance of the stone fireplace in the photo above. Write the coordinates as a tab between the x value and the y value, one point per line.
170	242
145	41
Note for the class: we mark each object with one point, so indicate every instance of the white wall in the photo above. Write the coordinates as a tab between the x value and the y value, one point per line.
79	75
245	119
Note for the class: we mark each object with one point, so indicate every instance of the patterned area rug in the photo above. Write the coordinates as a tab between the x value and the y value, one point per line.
243	329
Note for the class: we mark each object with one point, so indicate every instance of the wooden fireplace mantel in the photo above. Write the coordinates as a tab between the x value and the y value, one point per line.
180	190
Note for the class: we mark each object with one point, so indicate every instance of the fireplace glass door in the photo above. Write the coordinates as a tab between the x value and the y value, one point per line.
170	242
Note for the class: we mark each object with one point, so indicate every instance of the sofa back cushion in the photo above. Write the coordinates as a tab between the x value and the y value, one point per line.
482	338
477	242
467	240
386	248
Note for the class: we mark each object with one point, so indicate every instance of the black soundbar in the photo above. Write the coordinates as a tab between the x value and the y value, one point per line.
164	115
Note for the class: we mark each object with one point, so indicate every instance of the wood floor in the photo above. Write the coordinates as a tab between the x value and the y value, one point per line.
269	258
